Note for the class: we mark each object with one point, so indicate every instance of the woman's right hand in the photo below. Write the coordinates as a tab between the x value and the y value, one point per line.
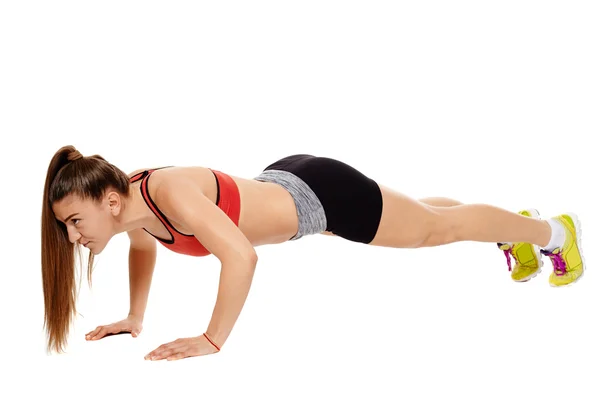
130	324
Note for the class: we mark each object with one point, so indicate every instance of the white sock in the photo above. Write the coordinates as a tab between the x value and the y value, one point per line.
557	238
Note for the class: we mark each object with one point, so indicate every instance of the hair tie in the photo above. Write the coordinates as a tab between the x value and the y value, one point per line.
73	156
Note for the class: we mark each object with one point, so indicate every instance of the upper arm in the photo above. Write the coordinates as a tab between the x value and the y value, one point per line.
185	203
140	240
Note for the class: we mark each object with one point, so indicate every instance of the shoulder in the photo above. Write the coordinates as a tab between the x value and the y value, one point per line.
181	192
175	182
136	172
142	170
172	179
171	186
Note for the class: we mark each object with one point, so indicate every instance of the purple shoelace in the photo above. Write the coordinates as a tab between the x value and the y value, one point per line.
557	261
508	261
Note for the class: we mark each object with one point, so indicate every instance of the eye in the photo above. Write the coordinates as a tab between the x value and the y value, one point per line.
75	221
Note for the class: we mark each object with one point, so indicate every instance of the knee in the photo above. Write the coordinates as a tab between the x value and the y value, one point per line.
441	230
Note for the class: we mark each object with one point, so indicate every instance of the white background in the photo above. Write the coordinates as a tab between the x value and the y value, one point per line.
490	102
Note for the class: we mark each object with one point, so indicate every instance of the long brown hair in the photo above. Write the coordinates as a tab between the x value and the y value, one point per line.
87	177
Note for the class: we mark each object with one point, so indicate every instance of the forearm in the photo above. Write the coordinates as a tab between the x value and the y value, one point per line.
234	286
141	268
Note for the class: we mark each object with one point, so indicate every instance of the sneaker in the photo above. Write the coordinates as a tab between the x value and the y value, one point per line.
567	260
528	259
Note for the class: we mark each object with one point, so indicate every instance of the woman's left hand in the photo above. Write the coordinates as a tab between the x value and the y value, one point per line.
182	348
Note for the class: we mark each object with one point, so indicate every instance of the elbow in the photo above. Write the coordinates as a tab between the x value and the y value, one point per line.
244	260
251	258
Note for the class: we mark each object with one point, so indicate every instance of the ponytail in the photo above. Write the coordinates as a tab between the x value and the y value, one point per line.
58	264
87	177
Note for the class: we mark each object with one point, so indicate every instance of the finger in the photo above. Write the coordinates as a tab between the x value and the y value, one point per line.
150	354
94	332
165	350
178	348
103	332
155	352
162	354
178	355
168	351
169	345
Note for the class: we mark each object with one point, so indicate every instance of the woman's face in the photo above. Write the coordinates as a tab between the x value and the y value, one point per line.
88	222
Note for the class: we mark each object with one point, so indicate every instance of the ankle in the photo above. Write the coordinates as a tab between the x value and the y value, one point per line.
556	238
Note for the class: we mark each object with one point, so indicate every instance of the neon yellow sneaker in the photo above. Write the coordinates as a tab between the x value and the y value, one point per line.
528	259
567	260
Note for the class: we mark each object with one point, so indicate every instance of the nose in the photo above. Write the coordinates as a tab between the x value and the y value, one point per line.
73	234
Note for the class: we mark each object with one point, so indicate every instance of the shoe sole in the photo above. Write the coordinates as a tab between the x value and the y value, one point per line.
577	223
535	215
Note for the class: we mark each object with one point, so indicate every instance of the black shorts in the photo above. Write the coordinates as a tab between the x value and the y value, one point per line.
352	202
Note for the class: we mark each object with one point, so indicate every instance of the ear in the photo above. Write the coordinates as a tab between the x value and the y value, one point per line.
113	199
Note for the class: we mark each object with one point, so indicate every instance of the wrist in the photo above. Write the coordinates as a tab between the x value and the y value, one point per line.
215	337
134	316
210	339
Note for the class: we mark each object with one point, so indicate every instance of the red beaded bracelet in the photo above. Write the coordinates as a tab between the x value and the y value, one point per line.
213	344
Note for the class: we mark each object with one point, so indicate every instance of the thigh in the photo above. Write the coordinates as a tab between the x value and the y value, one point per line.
405	222
440	201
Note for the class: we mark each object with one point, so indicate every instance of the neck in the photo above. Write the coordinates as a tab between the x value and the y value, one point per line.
134	214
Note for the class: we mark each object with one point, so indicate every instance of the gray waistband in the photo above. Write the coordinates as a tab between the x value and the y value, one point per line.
311	215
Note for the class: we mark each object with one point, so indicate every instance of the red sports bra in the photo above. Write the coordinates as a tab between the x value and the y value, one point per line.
228	200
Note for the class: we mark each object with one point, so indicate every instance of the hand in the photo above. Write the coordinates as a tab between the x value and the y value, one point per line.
182	348
130	324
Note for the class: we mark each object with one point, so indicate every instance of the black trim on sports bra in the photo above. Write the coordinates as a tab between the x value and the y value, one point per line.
146	177
218	188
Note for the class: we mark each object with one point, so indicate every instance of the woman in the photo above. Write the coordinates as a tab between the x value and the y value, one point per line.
200	211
